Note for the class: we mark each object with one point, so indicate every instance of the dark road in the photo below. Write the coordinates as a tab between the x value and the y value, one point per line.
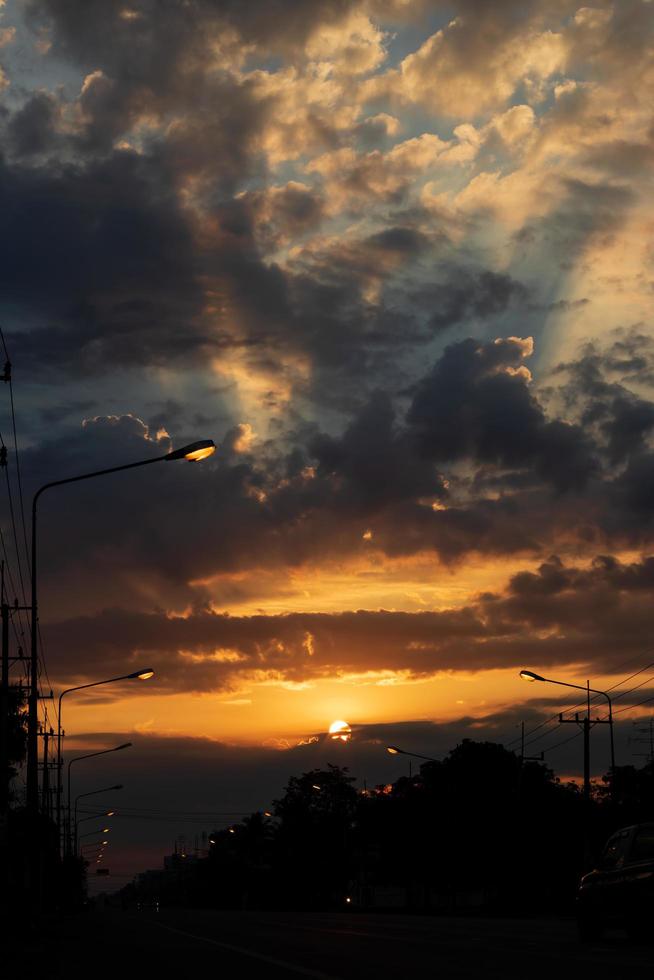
332	946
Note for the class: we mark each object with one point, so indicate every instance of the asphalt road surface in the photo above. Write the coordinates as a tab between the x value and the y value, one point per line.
328	946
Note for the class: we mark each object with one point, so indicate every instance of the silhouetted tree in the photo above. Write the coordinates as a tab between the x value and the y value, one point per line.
314	838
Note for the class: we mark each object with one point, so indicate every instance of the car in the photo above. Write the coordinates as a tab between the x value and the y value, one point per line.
619	891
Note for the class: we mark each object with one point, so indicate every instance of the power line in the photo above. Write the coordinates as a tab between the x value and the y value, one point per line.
594	699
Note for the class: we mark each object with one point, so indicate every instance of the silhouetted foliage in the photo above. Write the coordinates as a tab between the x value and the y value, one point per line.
479	829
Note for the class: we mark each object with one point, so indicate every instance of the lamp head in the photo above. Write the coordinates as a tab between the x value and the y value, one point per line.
393	750
142	675
195	451
119	786
125	745
529	675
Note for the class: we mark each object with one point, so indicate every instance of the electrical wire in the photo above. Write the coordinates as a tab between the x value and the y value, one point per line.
595	698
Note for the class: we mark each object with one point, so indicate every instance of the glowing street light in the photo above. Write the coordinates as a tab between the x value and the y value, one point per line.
144	674
193	452
531	676
80	758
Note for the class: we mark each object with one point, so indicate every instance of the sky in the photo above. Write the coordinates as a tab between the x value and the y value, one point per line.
395	258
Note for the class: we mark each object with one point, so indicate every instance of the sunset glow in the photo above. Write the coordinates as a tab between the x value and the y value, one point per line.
383	270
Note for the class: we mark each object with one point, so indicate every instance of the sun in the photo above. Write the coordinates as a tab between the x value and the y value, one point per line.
340	731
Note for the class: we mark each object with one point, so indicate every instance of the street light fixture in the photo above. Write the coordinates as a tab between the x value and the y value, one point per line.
531	676
95	816
79	758
144	674
105	830
194	451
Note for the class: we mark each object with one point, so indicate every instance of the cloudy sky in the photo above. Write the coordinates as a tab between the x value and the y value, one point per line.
395	257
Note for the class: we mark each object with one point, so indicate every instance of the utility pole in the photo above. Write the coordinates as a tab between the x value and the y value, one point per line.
45	783
586	723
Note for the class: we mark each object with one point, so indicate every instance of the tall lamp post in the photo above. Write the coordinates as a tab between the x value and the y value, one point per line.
194	452
94	792
529	675
145	674
79	758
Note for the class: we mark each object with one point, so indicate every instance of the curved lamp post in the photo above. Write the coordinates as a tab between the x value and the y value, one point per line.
94	792
144	674
530	675
194	452
79	758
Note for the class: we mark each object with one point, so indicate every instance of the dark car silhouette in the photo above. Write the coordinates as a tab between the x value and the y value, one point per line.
620	890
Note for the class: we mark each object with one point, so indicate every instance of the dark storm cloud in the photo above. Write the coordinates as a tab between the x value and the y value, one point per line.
102	258
32	129
476	404
469	294
177	35
597	384
476	466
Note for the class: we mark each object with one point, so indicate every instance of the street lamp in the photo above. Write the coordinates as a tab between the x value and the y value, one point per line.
94	816
193	452
144	674
105	830
79	758
531	676
93	792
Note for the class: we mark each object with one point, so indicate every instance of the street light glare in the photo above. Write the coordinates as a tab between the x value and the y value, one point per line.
529	675
195	451
142	675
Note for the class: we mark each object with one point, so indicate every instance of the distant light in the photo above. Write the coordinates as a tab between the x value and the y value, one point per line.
105	830
211	840
529	675
348	899
316	787
267	813
231	830
110	813
340	731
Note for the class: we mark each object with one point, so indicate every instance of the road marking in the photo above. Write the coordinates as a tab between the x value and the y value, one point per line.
316	974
